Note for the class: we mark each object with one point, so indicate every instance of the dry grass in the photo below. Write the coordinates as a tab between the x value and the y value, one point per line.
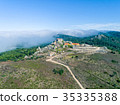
34	74
96	70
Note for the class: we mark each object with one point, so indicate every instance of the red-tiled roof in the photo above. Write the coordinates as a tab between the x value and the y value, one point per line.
75	44
66	44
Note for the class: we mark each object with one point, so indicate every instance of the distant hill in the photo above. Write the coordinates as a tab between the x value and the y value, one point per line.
109	39
19	53
94	71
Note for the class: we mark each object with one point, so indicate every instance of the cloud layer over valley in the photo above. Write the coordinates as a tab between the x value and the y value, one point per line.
24	39
13	39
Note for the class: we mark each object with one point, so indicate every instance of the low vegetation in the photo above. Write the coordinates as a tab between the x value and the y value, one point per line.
18	54
35	74
97	71
93	71
60	72
114	61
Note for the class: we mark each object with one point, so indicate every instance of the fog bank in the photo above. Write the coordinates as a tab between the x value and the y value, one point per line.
13	39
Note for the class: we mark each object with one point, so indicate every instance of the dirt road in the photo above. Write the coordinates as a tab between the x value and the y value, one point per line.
50	60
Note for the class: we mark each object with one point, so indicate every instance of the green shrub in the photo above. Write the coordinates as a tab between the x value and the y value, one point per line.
113	61
70	46
55	71
61	72
58	71
76	56
113	52
118	80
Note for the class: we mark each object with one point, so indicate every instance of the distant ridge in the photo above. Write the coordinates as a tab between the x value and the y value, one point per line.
110	39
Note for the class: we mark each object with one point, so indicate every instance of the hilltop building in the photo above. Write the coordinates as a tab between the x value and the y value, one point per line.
85	45
58	45
66	44
75	45
59	40
39	49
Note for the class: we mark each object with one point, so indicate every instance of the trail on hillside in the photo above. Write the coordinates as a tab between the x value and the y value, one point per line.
51	60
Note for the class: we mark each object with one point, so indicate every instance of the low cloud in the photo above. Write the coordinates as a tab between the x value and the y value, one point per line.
12	39
79	32
110	26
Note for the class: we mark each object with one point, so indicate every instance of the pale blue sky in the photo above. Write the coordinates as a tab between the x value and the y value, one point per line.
59	14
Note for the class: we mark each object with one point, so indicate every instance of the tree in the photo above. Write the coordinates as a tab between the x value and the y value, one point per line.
61	72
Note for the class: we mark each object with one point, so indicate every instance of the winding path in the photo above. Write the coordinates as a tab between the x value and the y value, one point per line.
50	60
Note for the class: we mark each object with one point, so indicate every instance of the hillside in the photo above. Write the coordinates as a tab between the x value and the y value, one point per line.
95	71
34	74
18	54
35	67
109	39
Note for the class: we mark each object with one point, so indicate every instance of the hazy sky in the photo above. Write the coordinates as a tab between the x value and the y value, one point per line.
59	14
